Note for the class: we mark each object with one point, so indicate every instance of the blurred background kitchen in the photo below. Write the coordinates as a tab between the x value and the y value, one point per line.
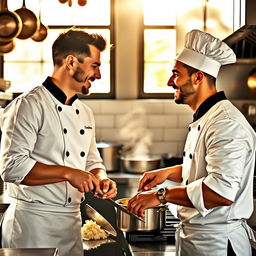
133	107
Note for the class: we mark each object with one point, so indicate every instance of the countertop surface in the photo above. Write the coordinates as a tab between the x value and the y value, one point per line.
28	252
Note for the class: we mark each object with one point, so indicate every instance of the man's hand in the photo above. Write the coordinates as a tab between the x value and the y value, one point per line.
108	187
142	201
152	178
83	181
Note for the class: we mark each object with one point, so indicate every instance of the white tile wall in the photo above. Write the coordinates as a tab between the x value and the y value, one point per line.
163	119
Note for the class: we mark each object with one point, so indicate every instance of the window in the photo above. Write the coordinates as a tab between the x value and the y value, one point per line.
30	62
159	47
165	23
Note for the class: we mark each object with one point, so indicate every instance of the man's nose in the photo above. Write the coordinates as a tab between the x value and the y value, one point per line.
97	74
170	81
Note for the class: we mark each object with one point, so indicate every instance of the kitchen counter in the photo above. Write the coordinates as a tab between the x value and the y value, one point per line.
152	249
29	252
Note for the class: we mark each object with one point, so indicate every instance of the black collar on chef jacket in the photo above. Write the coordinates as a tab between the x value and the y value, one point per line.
57	92
207	104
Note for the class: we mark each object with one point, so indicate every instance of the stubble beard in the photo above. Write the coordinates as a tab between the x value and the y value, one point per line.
184	95
78	76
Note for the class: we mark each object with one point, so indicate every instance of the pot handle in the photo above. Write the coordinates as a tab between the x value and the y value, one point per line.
162	209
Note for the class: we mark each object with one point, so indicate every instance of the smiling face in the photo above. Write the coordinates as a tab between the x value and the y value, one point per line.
87	71
182	83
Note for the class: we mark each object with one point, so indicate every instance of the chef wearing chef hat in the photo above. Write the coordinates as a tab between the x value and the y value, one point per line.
216	193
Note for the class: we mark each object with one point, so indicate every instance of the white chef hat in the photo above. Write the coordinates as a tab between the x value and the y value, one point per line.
205	52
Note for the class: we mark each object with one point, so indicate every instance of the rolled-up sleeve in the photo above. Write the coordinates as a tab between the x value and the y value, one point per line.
226	153
19	125
195	195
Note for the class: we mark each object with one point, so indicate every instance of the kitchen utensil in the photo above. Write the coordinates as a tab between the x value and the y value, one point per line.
6	47
41	32
10	23
82	2
110	153
30	23
140	164
153	220
100	220
69	3
118	206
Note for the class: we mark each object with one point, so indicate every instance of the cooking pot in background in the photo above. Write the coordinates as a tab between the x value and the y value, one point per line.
110	153
170	160
154	219
140	164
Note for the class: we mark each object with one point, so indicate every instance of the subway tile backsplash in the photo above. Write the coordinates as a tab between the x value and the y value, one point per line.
163	121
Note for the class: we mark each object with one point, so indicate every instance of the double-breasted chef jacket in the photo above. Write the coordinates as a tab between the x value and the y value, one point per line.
38	127
219	152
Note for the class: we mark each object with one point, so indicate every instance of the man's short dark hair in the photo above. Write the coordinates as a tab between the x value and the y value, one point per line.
211	79
75	42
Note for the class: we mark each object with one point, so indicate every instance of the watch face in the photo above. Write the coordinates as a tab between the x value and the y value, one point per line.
161	190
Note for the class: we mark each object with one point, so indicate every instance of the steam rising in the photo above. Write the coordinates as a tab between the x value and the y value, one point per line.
137	137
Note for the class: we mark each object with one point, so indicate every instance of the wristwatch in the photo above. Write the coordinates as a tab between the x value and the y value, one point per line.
161	195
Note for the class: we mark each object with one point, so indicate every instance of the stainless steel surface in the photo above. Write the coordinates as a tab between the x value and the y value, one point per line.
153	220
243	41
140	165
29	252
124	210
110	153
152	249
100	220
93	244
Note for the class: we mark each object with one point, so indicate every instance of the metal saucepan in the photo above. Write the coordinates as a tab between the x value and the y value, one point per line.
110	153
6	47
140	164
154	219
10	23
41	32
30	22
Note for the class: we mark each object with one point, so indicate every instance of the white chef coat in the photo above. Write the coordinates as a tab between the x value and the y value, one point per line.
219	152
37	127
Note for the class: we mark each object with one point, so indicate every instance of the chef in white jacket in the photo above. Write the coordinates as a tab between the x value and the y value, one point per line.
48	151
216	193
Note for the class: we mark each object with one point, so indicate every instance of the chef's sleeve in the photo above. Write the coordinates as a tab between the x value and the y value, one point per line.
20	123
227	148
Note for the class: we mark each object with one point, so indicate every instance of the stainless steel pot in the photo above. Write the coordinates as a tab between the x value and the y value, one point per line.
110	153
154	219
140	165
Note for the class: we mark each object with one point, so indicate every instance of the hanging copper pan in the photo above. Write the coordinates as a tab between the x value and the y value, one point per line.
41	32
10	23
6	47
30	22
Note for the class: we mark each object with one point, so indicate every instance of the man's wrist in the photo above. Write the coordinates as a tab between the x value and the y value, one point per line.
161	195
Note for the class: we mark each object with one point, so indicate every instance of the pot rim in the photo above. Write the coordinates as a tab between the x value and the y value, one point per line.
105	144
124	205
138	159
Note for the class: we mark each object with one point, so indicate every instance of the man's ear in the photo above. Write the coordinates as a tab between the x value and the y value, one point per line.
199	76
71	64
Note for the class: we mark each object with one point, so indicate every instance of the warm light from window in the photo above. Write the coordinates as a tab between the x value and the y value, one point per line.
160	12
